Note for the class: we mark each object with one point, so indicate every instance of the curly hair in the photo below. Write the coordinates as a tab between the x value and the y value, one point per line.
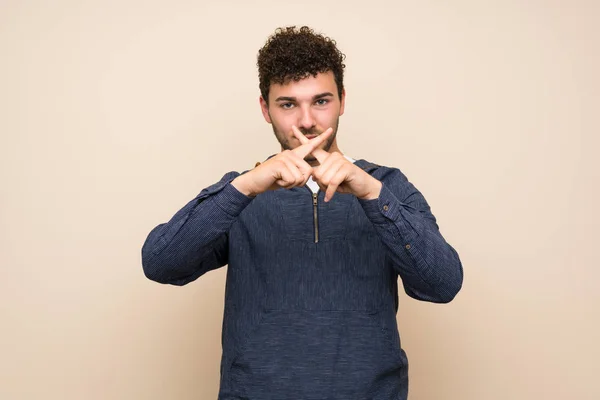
294	54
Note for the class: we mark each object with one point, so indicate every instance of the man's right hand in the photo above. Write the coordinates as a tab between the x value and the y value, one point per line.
286	170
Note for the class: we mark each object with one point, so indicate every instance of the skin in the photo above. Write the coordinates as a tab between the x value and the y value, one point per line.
305	118
312	104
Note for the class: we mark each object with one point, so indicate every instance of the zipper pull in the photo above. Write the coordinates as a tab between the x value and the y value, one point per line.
315	218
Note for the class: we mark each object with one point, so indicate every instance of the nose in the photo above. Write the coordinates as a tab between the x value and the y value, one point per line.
307	121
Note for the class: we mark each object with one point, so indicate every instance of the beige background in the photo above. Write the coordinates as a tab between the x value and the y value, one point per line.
113	114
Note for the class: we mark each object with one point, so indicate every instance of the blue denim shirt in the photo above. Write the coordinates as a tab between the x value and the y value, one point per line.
311	291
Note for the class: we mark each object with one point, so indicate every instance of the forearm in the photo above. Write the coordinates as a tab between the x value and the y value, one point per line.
194	241
244	184
429	267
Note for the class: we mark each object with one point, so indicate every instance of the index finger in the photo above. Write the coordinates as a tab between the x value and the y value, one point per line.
309	145
303	139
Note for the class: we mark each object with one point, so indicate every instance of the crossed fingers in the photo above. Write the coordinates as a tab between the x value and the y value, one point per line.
333	170
319	154
294	171
309	146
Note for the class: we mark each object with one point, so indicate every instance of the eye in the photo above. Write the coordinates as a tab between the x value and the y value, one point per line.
286	106
322	102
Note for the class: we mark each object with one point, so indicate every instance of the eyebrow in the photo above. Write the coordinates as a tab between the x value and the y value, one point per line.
315	97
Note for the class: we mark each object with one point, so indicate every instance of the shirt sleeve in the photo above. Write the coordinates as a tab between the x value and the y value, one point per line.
429	267
195	240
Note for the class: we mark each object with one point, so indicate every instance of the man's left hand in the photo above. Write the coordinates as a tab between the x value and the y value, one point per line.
336	173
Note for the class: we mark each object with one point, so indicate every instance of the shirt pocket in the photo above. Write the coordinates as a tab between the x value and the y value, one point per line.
317	355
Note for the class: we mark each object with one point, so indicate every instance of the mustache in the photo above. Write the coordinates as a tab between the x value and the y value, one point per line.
306	132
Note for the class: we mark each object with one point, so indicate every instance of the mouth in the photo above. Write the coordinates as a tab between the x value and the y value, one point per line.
311	136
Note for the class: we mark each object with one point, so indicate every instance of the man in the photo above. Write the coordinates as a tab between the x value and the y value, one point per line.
314	241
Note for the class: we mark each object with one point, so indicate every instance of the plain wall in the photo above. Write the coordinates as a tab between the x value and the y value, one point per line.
114	114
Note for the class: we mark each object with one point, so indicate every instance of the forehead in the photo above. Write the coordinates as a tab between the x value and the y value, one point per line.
305	88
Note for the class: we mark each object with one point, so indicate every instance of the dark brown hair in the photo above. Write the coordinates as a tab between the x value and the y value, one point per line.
294	54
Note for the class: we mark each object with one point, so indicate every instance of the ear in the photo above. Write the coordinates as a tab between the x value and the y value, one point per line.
264	107
343	102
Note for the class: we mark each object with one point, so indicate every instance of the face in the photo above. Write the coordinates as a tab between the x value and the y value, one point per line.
312	104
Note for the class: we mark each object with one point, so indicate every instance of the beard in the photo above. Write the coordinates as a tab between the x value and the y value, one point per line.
284	139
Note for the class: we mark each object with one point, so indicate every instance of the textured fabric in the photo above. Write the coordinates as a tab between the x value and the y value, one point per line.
311	292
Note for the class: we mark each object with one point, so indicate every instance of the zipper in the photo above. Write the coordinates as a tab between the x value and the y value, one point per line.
315	217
